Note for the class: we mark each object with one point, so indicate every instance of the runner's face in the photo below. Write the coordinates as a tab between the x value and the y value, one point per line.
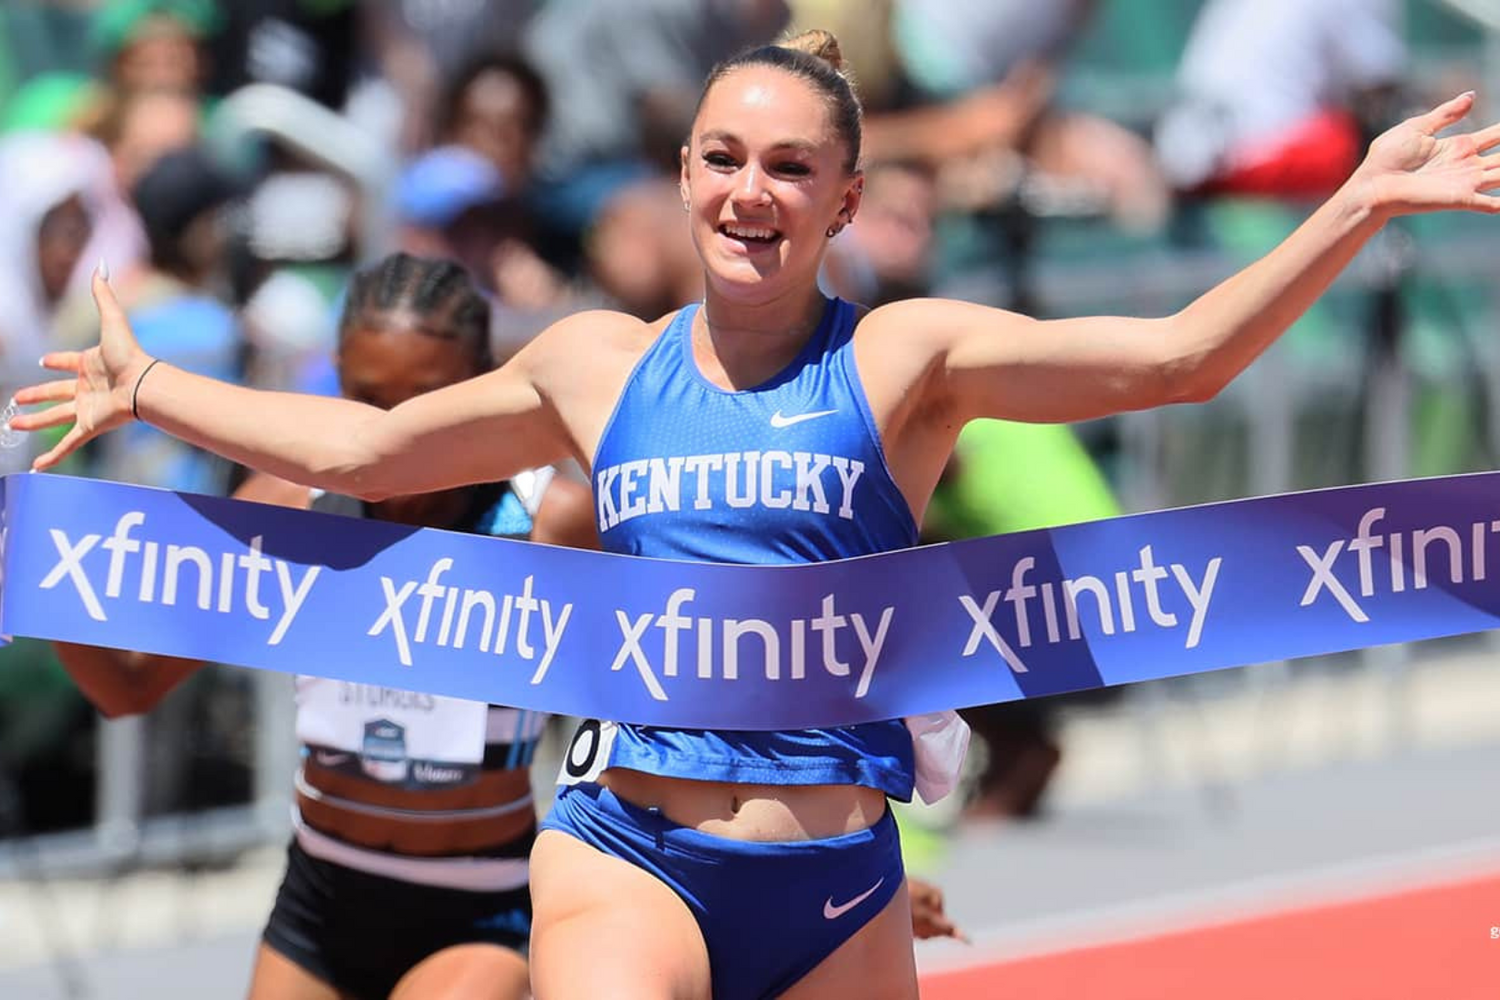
763	176
390	361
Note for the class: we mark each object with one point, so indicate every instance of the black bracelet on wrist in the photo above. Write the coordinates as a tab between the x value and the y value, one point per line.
136	392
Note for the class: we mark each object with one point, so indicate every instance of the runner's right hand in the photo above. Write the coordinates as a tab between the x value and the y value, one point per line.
97	396
928	918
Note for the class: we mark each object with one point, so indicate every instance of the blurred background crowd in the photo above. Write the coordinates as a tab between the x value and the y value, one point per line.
235	162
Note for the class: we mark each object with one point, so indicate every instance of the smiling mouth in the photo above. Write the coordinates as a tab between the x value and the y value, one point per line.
755	236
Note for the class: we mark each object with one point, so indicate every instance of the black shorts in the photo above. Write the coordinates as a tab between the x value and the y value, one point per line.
361	933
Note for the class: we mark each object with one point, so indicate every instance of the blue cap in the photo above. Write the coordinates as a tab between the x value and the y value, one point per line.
442	183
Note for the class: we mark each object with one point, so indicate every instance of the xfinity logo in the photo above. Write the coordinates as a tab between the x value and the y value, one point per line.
224	582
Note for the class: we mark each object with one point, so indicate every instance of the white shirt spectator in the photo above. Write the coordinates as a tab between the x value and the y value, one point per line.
1253	69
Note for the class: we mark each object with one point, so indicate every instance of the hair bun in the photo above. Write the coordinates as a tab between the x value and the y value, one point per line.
820	43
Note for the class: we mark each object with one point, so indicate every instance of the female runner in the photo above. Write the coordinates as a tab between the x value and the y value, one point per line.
404	879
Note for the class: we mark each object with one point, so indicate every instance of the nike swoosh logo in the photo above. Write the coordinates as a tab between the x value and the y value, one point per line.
831	912
778	421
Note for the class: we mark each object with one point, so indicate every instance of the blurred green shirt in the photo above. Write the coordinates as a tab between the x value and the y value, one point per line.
1008	477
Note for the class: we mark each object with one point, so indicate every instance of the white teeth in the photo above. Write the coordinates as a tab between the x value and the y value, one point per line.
750	232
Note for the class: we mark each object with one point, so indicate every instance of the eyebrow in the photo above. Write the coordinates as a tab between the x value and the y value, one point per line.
797	145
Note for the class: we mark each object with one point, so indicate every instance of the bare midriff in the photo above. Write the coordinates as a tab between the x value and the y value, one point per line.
437	835
751	812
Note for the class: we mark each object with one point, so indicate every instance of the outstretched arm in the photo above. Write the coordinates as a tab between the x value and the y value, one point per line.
486	428
998	364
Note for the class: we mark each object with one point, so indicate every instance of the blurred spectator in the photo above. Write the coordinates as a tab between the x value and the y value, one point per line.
138	127
453	203
452	31
48	207
609	156
985	72
448	205
1272	93
624	87
300	213
289	264
312	48
176	306
497	105
153	44
888	254
639	253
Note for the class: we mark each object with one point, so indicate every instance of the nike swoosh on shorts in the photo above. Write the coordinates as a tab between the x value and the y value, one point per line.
831	912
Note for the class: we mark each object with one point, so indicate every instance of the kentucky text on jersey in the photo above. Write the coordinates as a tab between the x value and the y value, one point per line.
777	480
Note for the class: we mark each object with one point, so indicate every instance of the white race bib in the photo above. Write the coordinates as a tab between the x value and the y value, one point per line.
391	731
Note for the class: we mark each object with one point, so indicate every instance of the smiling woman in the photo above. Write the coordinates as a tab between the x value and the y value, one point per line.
767	170
749	864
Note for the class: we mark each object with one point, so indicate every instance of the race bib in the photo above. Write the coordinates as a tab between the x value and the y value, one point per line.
588	753
393	736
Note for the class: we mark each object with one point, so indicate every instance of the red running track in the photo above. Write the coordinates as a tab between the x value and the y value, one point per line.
1440	941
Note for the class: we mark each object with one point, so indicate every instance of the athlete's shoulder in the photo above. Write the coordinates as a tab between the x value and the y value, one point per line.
580	364
600	330
938	322
903	317
581	348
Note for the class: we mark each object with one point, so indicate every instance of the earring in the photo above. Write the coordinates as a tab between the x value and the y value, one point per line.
831	231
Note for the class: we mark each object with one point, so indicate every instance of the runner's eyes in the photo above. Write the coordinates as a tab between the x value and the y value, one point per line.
723	161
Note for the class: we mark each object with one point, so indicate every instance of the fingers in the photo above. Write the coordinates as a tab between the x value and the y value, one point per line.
110	313
47	392
937	926
63	361
60	451
54	416
1487	138
1445	114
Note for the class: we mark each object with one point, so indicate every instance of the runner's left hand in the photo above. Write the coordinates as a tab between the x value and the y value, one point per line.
1411	169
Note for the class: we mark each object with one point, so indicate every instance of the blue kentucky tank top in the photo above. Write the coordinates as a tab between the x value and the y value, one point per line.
789	471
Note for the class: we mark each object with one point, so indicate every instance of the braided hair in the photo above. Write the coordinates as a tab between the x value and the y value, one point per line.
443	300
438	292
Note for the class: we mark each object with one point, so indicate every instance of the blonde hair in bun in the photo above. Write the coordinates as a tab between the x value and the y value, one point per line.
813	56
817	42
